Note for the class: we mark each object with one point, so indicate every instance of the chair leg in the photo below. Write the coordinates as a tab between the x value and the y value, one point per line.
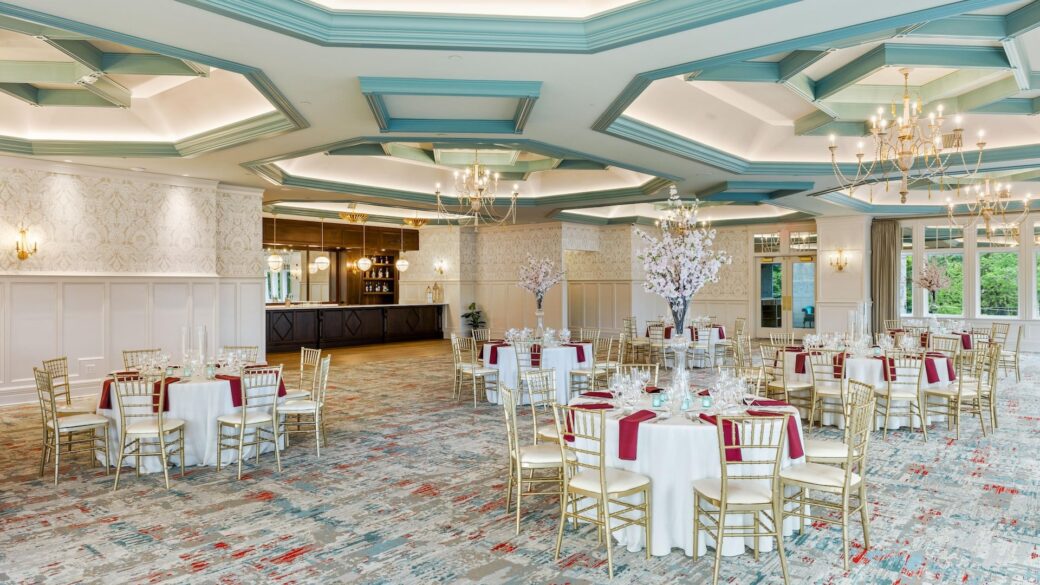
165	463
845	530
778	528
864	514
241	441
696	525
563	520
647	516
519	495
719	539
317	433
57	456
277	447
605	515
119	461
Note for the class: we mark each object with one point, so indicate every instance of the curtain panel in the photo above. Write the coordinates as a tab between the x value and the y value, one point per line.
885	245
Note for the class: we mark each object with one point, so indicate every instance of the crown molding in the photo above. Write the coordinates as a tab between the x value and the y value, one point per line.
107	172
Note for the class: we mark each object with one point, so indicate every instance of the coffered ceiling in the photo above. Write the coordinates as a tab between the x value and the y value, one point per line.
592	108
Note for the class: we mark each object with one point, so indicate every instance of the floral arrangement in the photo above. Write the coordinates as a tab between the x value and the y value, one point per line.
932	278
538	276
680	263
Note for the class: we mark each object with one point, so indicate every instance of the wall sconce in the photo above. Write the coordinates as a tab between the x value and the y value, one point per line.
839	261
21	245
439	266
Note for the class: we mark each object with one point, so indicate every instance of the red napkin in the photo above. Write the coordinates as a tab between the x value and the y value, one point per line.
768	402
722	331
236	388
888	370
705	392
799	360
651	389
536	355
628	433
794	442
932	373
924	339
668	332
966	340
730	435
839	365
598	394
590	406
579	347
493	356
105	400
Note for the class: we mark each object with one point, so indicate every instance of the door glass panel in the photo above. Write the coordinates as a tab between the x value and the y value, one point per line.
802	241
772	287
767	243
803	295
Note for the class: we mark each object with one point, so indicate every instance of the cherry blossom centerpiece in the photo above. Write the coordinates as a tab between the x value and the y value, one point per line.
538	276
932	279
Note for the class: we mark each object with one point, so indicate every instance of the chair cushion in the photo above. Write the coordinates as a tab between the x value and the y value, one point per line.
542	455
618	480
296	395
950	391
818	474
738	491
587	373
799	385
825	449
828	389
253	418
292	406
151	427
477	370
79	421
898	394
548	431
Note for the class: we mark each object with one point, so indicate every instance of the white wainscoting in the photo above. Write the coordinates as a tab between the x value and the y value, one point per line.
507	306
92	319
599	304
726	311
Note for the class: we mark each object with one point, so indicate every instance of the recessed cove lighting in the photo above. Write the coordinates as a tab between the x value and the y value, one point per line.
67	160
137	169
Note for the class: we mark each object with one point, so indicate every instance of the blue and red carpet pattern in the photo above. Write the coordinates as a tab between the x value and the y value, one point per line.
409	491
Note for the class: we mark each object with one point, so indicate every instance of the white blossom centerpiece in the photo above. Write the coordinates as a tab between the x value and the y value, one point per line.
538	276
932	279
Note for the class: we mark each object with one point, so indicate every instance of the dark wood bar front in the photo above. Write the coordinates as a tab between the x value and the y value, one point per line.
290	328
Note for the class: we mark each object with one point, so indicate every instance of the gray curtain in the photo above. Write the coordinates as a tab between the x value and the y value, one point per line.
885	244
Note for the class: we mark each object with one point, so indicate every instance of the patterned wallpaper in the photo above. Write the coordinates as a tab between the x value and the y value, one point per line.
580	237
501	250
733	279
92	223
612	261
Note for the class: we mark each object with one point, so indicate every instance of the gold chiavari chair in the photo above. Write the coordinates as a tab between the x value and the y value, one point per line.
75	433
998	332
700	348
257	418
657	348
980	335
308	415
529	465
964	395
903	384
779	386
1009	358
589	334
630	369
988	384
58	368
891	324
831	451
133	358
541	388
247	353
144	429
828	383
525	360
482	335
588	377
745	356
749	485
781	338
593	492
638	346
309	360
846	482
480	377
948	345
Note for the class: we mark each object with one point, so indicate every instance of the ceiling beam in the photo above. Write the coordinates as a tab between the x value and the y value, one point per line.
1023	20
72	98
37	30
41	72
150	64
966	26
21	91
798	61
106	89
80	51
746	71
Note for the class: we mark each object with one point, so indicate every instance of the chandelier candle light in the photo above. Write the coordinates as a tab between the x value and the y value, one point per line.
475	189
991	202
538	276
915	148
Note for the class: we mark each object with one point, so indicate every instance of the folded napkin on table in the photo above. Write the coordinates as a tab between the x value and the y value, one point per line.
597	394
628	433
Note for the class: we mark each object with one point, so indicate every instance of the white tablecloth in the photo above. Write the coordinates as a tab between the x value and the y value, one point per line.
198	403
562	359
674	453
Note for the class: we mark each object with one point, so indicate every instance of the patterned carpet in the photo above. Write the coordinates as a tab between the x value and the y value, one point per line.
410	491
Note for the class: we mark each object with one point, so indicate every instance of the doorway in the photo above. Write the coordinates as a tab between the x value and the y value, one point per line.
787	295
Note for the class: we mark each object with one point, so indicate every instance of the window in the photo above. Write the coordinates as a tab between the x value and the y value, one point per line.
767	243
906	273
998	274
947	242
803	241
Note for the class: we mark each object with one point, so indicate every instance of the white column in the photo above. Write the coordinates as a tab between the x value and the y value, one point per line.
839	292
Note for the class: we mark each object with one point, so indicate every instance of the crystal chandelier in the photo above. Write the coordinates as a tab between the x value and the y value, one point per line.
353	216
475	189
988	203
680	218
912	147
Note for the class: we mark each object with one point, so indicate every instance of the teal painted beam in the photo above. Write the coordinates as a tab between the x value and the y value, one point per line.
79	98
1014	106
987	94
1023	20
747	71
450	87
41	72
21	91
108	90
966	26
36	30
851	73
359	150
81	51
266	125
451	126
574	164
149	64
798	61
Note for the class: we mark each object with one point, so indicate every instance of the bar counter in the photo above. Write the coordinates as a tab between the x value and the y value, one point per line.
329	325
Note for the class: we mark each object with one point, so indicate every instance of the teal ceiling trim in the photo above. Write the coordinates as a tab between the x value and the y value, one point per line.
636	131
1023	20
796	62
967	26
1015	106
375	89
754	191
650	222
745	71
41	72
366	149
574	164
75	98
262	126
149	64
70	36
621	26
21	91
861	206
108	90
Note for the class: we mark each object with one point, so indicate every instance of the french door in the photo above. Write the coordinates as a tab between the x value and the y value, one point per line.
787	295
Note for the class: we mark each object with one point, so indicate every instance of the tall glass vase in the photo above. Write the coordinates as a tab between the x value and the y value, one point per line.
679	319
539	331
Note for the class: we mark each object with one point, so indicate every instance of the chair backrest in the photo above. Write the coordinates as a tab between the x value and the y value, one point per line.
773	362
753	450
629	369
979	335
905	370
781	338
998	332
738	326
260	389
589	334
482	335
948	345
309	360
139	397
46	395
133	358
630	324
582	442
322	383
603	349
541	387
1018	341
743	348
58	368
827	367
891	324
656	333
466	347
858	426
247	353
703	336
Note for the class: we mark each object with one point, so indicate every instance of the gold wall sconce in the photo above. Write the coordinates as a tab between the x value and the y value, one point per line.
440	266
839	261
21	246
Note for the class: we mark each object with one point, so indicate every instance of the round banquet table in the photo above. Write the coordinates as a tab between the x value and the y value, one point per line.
563	359
198	402
867	370
675	452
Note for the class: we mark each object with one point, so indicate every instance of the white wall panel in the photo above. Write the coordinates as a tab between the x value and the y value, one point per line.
228	311
84	328
35	327
204	312
129	326
252	326
171	310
